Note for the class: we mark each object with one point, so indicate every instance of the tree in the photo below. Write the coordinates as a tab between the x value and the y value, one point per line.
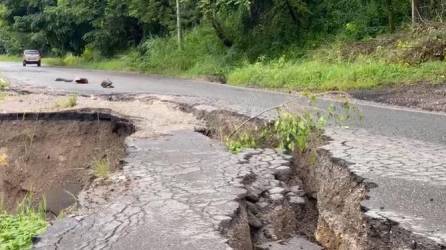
416	17
390	15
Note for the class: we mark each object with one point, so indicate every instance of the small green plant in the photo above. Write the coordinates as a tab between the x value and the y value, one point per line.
295	132
17	231
241	141
68	102
290	132
101	168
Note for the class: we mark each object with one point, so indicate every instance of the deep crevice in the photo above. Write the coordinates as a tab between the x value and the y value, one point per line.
332	214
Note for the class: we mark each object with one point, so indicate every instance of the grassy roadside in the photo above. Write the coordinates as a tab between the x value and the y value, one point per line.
323	76
408	57
309	74
8	58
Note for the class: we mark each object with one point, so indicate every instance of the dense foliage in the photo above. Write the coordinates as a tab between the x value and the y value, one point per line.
256	27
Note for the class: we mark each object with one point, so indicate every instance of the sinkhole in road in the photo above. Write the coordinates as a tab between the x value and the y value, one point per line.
53	156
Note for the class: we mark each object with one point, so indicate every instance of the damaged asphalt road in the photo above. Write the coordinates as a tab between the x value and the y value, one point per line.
401	151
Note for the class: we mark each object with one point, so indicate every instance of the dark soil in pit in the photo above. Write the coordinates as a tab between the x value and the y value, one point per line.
431	97
52	155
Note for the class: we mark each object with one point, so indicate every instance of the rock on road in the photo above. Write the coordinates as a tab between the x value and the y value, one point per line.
401	150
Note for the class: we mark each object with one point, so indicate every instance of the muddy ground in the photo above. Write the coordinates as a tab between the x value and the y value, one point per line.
431	97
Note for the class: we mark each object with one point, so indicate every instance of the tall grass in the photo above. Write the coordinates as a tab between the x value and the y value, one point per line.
9	58
318	69
319	75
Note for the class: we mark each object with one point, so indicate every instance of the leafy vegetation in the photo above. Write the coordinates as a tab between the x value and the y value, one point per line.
291	44
290	132
298	132
17	230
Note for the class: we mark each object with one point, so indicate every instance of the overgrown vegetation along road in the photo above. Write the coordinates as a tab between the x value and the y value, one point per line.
403	58
300	45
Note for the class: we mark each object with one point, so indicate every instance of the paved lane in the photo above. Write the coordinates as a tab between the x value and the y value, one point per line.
378	119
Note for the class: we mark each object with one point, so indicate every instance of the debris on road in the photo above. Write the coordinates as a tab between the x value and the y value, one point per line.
63	80
107	84
80	80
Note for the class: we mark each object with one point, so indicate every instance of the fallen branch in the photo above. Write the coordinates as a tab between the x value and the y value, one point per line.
346	95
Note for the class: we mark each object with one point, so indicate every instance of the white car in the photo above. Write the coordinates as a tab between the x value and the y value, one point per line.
32	57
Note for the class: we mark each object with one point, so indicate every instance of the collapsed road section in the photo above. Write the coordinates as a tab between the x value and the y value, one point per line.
52	155
179	189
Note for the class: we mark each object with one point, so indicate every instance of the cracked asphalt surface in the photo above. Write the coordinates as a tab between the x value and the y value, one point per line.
400	150
183	187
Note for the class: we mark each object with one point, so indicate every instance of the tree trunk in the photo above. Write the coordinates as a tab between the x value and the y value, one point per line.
415	12
180	45
391	15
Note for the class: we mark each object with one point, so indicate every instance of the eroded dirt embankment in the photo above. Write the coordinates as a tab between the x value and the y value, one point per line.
52	156
342	222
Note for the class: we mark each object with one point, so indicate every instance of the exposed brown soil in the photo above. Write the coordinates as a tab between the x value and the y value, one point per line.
52	155
422	95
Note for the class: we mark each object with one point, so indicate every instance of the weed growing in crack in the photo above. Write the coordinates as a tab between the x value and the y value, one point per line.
69	102
243	140
101	168
296	132
17	230
293	132
289	132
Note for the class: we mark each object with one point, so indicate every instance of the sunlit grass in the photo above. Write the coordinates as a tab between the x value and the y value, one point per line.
321	76
67	102
9	58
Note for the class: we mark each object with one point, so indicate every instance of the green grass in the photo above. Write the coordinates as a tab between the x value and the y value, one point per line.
17	230
8	58
320	69
119	63
322	76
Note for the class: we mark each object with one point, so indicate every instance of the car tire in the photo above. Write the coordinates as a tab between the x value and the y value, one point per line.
24	64
39	64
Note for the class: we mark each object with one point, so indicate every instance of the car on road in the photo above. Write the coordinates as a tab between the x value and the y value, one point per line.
32	57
